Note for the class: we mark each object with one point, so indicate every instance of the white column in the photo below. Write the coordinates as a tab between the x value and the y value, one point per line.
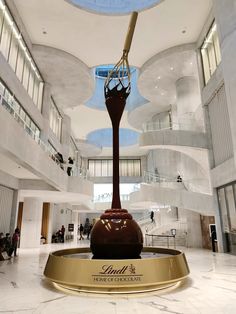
188	99
50	224
31	223
65	136
75	221
46	111
221	240
14	211
225	14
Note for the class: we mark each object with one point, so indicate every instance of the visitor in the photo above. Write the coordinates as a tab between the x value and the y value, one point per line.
69	168
81	229
43	240
59	236
63	233
60	160
89	230
152	216
1	242
15	240
7	244
179	179
213	240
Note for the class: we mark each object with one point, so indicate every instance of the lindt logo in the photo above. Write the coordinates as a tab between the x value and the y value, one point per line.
111	270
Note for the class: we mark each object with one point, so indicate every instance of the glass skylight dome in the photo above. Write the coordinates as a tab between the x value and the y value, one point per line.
97	101
114	6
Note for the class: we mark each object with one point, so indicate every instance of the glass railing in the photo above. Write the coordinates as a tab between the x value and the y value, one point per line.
8	105
107	197
79	172
76	171
150	177
183	124
197	185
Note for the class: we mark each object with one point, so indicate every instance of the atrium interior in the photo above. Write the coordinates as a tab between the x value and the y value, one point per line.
177	137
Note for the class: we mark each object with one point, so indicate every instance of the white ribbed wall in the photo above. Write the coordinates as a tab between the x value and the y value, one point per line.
220	127
6	197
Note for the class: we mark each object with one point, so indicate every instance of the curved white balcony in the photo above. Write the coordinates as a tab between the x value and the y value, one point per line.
157	134
154	193
18	141
199	185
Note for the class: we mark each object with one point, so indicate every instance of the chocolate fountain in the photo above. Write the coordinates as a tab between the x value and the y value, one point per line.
116	235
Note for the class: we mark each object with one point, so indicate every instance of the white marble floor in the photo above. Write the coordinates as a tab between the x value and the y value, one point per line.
210	288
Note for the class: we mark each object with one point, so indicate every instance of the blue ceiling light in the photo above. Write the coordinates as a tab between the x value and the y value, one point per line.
103	137
97	101
114	6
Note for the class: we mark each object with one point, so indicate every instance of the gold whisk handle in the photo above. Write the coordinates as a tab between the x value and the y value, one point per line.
130	32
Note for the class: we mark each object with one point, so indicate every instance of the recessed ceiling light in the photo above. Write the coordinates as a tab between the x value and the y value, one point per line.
171	68
191	63
162	94
158	77
156	86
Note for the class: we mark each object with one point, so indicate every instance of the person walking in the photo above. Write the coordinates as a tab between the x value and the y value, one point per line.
81	229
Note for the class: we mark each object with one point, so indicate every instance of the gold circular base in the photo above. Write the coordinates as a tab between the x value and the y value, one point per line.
164	269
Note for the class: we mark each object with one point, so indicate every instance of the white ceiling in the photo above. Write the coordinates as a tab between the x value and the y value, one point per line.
98	39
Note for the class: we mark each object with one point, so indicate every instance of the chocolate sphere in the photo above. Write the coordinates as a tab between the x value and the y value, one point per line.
116	236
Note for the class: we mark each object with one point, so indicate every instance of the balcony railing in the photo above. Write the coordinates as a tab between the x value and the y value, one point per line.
107	197
150	177
183	124
167	240
76	171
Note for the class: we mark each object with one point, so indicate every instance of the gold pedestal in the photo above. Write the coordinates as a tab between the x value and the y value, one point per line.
161	269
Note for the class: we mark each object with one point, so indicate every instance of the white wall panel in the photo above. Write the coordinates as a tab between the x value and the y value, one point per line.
6	197
220	127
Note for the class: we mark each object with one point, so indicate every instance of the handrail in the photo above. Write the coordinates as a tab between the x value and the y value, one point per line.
153	177
160	236
76	171
189	185
144	218
189	125
107	197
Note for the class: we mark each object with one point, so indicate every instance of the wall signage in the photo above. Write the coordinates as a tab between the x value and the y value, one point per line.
70	227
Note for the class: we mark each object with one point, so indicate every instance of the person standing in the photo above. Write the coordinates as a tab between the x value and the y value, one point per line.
15	240
152	216
69	168
8	245
81	229
60	160
179	178
63	233
89	230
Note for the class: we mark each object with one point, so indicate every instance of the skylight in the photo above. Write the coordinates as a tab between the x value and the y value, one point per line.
114	6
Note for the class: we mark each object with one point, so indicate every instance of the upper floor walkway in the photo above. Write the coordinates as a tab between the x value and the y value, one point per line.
19	143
